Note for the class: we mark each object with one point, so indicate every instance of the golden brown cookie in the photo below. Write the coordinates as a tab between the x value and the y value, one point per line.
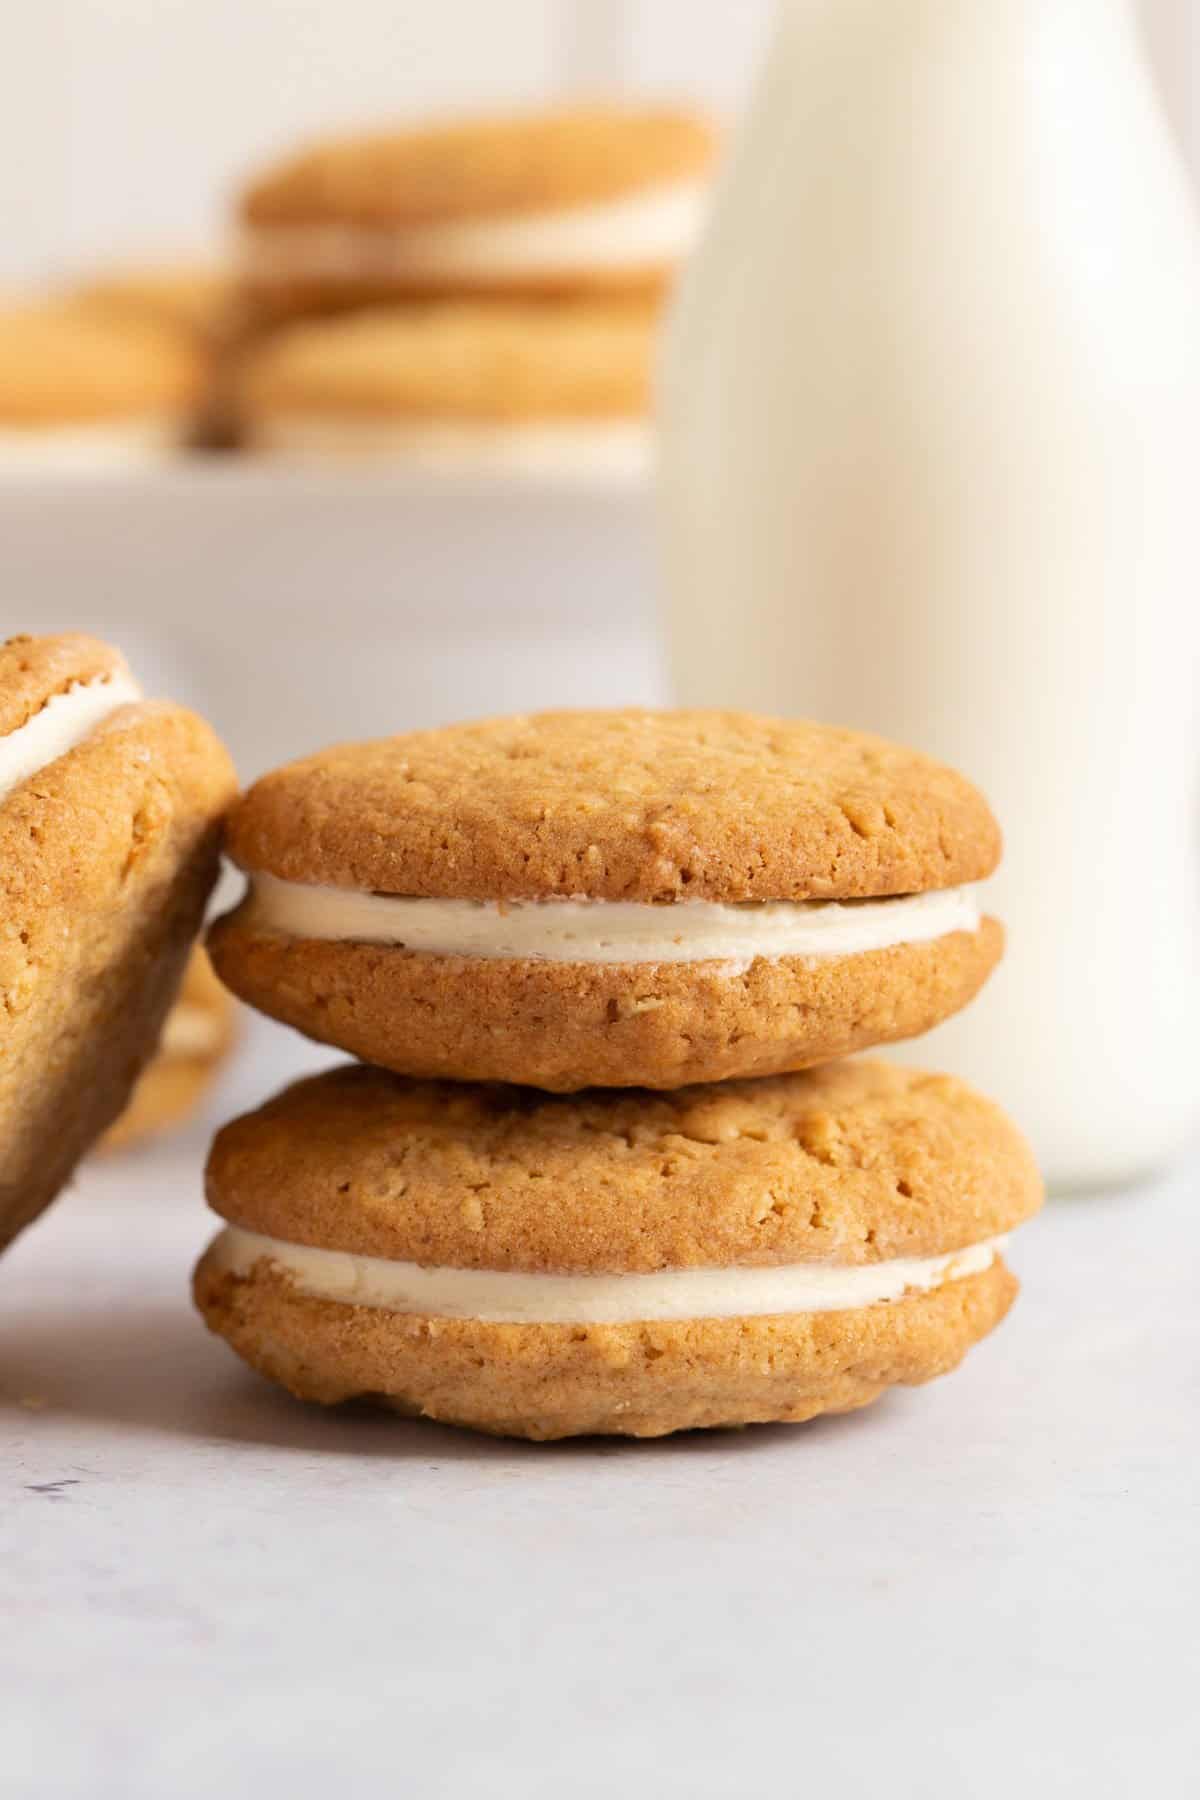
465	384
198	306
615	899
602	199
192	300
635	1263
91	392
110	810
196	1039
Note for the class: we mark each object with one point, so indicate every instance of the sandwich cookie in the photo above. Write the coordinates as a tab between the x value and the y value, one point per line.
471	388
614	899
636	1263
591	200
110	810
195	1042
83	392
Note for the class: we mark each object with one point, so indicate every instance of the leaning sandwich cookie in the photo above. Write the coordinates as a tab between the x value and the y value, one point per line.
457	387
600	199
611	899
110	812
542	1266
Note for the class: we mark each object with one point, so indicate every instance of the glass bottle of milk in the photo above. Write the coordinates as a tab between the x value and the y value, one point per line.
931	415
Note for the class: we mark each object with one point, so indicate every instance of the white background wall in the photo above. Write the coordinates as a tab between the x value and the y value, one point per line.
125	122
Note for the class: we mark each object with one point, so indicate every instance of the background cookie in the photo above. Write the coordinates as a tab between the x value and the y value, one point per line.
191	300
759	1250
588	200
196	1038
456	383
615	899
197	306
84	389
110	811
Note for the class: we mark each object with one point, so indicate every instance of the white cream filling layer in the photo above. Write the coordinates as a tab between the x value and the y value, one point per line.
621	449
502	1298
609	931
104	448
62	723
649	230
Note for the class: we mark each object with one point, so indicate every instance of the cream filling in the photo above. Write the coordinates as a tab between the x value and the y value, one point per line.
648	230
622	448
609	931
62	723
503	1298
191	1031
103	447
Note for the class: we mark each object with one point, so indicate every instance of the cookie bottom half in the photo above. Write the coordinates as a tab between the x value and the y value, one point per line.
568	1026
639	1380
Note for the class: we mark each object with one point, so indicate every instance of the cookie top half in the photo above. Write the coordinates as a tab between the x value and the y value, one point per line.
626	805
854	1163
484	168
35	670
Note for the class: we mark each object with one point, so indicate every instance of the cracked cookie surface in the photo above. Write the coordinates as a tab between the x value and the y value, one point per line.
623	805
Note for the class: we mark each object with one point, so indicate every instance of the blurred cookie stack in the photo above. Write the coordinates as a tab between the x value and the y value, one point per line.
465	297
478	295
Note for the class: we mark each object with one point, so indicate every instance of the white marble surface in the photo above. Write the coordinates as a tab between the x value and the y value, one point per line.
982	1587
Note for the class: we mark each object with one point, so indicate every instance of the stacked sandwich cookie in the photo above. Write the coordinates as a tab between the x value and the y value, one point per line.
605	1173
472	296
